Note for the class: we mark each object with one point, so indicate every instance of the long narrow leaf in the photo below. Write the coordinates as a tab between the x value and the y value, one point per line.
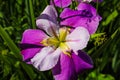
9	42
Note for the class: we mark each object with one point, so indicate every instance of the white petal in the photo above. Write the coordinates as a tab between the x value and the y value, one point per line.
78	39
46	59
48	20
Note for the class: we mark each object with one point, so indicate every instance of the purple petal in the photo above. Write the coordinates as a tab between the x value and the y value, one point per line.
69	13
93	22
48	20
29	53
85	16
46	59
73	18
33	37
68	67
82	62
62	3
64	70
87	7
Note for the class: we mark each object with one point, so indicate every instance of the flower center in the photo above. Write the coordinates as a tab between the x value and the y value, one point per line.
58	41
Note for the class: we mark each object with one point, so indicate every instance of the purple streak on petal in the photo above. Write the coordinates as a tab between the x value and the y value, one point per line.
29	53
62	3
75	18
68	67
82	62
93	22
33	37
24	46
69	13
92	25
47	21
85	16
46	59
64	70
87	7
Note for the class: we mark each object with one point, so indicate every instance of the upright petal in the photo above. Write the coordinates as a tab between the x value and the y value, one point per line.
75	18
64	70
62	3
82	61
93	22
78	39
48	20
85	16
33	38
46	59
87	7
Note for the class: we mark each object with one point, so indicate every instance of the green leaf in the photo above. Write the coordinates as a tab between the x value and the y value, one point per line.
99	76
30	13
111	17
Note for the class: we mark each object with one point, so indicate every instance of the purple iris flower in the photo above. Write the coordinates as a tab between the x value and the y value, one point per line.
85	15
56	48
66	3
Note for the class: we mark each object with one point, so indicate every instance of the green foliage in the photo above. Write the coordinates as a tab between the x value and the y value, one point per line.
19	15
94	76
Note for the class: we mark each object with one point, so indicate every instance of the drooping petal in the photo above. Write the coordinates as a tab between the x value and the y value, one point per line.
69	67
46	59
62	3
48	20
85	16
32	38
78	39
82	61
64	70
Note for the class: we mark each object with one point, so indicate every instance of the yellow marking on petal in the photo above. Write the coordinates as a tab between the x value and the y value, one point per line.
44	42
59	41
66	50
53	42
63	33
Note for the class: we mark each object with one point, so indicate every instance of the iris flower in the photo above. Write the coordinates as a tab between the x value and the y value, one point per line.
66	3
54	47
85	15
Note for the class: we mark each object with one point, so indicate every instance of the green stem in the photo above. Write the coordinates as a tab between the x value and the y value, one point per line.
10	43
31	17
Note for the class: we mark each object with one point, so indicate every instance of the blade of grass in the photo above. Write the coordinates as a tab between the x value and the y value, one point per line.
10	43
30	12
